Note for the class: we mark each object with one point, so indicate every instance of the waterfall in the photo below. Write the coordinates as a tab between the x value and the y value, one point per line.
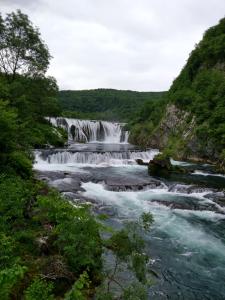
95	158
85	131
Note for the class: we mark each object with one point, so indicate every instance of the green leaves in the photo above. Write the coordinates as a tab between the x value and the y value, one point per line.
14	193
8	278
21	49
79	288
146	221
128	248
7	251
39	290
77	233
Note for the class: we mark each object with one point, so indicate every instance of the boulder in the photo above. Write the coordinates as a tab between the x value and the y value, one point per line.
140	162
161	166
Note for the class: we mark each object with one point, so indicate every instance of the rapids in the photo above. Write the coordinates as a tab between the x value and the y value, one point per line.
187	240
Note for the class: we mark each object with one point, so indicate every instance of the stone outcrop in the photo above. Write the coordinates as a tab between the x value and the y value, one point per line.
161	166
181	125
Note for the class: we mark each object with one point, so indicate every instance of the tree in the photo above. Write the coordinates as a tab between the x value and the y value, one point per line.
22	50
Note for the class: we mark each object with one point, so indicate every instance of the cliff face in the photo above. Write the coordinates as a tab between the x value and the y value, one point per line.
174	122
177	131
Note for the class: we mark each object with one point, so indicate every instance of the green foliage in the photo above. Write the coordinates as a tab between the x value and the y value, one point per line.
200	88
8	128
135	291
128	246
175	145
71	233
104	104
146	221
145	121
42	134
78	290
39	290
8	278
77	233
21	163
22	50
14	194
7	251
140	133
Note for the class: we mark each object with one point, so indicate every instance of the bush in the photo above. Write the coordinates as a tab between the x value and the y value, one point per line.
14	195
77	233
39	290
9	278
21	164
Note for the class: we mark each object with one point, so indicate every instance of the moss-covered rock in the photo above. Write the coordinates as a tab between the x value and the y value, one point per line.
161	166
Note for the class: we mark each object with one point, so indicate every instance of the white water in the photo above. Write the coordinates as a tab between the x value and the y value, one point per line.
92	131
172	222
66	158
199	172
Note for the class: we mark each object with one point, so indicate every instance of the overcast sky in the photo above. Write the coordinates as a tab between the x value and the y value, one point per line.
125	44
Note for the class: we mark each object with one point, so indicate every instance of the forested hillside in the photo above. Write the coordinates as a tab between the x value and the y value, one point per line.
106	104
192	122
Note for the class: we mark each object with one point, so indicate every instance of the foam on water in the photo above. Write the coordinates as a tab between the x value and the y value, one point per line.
42	165
180	163
176	223
199	172
66	158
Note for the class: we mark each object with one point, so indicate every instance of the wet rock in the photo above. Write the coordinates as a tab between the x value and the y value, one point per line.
66	173
185	205
160	165
189	189
66	185
141	162
132	185
107	210
218	198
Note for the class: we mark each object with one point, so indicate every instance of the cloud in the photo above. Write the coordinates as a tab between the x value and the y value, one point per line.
124	44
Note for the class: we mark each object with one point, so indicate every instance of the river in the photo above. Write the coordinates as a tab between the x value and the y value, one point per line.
187	240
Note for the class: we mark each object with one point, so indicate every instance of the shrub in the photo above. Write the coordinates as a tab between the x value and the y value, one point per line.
8	278
21	164
39	290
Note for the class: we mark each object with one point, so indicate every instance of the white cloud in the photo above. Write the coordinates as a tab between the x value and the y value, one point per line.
124	44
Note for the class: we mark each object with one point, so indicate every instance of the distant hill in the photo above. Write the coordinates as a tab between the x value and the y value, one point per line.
107	104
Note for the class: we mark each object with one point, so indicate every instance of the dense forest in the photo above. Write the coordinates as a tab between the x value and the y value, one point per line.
197	99
104	104
49	249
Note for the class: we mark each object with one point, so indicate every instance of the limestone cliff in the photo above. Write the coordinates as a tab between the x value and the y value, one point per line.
177	131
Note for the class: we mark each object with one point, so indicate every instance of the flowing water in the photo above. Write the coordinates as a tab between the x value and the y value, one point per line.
92	131
187	240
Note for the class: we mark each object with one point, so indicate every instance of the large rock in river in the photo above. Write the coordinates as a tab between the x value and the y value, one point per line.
161	166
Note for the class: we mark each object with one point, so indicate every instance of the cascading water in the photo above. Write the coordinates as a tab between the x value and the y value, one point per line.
95	158
84	131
